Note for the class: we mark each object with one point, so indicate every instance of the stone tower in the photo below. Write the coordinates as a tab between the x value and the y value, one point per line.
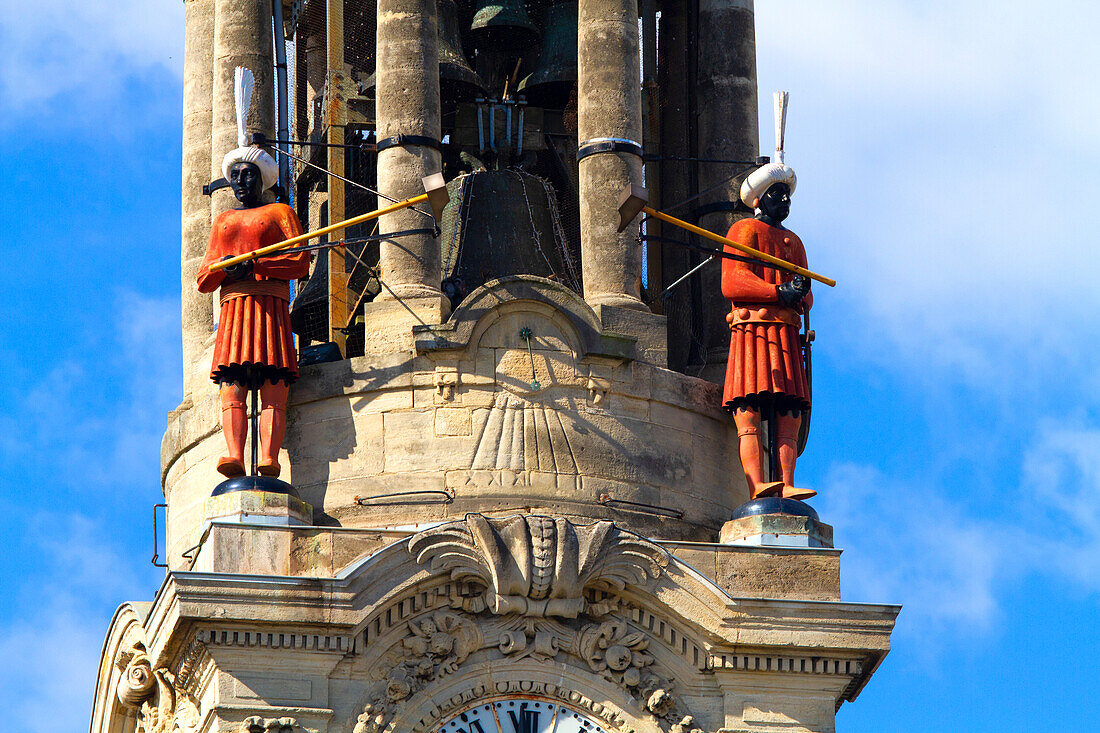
508	491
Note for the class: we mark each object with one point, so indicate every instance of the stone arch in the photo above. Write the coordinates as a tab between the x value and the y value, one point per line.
109	715
560	304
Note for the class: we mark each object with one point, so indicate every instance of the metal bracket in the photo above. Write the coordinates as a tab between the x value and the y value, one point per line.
406	497
608	145
156	541
637	506
400	141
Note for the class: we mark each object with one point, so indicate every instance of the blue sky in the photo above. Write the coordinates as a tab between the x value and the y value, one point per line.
945	153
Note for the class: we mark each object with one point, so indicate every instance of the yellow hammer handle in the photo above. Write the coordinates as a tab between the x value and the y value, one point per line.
740	247
221	265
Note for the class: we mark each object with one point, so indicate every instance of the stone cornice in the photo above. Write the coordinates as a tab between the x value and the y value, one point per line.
278	639
694	619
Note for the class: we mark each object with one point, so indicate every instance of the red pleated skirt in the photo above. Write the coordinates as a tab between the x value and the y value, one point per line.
765	358
254	332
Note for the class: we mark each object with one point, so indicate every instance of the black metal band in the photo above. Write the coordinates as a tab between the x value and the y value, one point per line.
608	145
209	188
400	141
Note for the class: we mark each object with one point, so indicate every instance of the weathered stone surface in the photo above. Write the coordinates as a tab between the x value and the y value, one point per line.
765	572
609	106
407	73
335	624
777	529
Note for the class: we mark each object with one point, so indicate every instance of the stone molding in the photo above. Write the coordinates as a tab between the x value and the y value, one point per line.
536	565
256	724
773	663
192	665
326	643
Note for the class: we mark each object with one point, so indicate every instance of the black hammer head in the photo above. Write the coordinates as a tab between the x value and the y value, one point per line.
436	188
631	201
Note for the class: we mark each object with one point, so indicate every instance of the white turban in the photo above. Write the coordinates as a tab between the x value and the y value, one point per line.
763	178
269	169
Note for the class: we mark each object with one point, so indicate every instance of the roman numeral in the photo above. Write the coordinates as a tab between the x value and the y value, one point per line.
526	722
475	727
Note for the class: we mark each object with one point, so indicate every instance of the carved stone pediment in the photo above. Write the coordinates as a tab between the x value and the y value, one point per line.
536	565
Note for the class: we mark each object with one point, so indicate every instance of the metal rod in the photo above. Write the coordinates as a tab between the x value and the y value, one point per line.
282	88
492	124
357	240
255	427
689	159
644	508
708	250
480	124
685	276
705	191
337	176
369	147
519	140
405	496
407	203
707	234
156	541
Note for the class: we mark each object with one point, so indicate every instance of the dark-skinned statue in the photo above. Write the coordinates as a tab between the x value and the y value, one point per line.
255	346
766	376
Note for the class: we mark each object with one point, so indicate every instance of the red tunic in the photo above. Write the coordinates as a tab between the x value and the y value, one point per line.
254	324
765	348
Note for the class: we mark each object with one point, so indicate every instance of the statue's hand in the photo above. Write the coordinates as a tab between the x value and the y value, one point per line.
793	291
239	271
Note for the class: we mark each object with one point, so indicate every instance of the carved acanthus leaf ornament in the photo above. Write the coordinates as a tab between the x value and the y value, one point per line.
535	565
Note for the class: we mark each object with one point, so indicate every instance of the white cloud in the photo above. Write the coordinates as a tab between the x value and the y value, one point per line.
914	542
1061	480
85	50
117	381
74	578
943	153
904	543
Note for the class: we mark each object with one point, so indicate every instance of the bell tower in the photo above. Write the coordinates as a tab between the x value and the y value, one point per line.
515	499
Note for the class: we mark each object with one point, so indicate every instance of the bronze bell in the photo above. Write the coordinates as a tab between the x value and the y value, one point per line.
556	68
458	82
502	24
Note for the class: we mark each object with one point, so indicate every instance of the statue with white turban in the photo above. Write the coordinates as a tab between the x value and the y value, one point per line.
254	348
766	375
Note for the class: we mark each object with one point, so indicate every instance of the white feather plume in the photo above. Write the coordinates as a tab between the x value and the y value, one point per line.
781	99
243	83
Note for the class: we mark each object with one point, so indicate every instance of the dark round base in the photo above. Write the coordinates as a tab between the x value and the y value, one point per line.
774	505
255	483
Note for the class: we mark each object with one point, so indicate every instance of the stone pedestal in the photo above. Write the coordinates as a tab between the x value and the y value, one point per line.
258	500
775	522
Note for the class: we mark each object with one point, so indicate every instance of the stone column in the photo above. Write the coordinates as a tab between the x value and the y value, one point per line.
408	104
728	129
242	37
609	106
197	308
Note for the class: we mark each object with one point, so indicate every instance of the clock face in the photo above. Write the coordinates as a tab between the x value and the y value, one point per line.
521	715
